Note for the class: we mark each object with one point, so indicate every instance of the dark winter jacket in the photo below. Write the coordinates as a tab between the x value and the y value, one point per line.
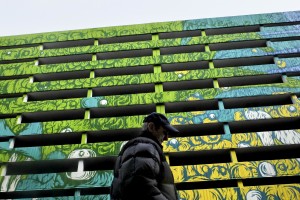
142	172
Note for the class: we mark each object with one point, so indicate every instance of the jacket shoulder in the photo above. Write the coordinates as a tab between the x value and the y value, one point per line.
142	147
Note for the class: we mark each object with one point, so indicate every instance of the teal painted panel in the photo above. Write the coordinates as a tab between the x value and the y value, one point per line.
241	20
53	181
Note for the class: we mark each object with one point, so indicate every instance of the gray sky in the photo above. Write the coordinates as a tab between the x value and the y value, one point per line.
36	16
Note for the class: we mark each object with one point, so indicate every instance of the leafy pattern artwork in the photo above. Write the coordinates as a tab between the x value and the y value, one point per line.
231	85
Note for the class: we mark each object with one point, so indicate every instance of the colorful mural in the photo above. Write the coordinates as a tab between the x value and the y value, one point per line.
269	52
245	193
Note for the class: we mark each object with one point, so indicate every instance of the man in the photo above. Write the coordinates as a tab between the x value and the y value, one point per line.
141	171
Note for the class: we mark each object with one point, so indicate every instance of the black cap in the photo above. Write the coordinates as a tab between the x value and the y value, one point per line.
158	118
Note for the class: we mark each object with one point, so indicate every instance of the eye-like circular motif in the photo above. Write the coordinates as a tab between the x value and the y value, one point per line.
212	116
66	130
292	108
243	145
254	50
103	102
266	169
254	195
225	88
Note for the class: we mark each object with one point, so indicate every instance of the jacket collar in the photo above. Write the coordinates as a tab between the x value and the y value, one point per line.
147	134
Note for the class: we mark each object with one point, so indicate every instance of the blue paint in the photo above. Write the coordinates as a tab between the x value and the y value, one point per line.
91	102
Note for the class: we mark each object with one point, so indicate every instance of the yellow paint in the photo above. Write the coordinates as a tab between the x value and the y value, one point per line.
94	57
208	120
240	170
238	116
155	37
207	48
92	74
182	72
216	84
96	42
156	52
285	191
87	114
84	138
281	63
90	93
211	65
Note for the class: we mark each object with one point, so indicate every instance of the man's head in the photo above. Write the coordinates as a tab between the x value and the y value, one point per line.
159	126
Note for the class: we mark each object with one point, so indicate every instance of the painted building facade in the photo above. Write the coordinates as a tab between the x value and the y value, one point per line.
70	100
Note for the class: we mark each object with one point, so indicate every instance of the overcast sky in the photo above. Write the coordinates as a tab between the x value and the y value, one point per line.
36	16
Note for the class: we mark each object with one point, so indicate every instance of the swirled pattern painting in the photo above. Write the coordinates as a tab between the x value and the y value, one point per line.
70	100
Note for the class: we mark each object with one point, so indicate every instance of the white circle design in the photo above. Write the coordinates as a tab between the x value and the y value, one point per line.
254	195
266	169
81	175
103	102
66	130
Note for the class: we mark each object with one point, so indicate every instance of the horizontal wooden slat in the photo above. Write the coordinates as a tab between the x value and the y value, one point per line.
285	191
281	66
33	52
17	105
11	128
173	145
56	181
240	170
288	47
279	191
255	139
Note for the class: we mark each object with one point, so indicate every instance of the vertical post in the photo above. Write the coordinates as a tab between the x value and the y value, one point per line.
96	42
294	99
25	98
94	58
77	194
235	160
19	119
92	74
3	169
79	169
221	104
160	108
84	135
31	79
36	62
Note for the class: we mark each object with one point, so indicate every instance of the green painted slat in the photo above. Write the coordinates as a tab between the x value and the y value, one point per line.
35	52
178	144
199	24
16	105
27	68
24	85
181	118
